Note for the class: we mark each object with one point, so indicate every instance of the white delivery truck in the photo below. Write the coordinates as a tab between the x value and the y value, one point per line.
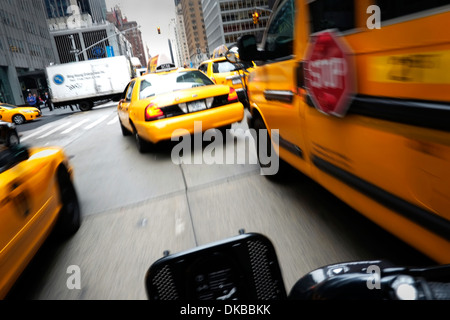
85	82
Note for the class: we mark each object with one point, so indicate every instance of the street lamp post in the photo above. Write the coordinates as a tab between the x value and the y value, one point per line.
74	48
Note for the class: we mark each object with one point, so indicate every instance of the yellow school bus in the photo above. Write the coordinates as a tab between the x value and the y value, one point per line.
382	143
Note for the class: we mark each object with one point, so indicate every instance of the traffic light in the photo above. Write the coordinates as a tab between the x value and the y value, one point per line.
159	30
255	17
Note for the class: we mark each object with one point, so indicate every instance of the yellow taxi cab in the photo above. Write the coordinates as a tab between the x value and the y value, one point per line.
18	115
37	198
155	105
355	94
221	71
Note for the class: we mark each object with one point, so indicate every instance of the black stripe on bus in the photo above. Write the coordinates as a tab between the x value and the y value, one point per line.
289	146
420	216
427	114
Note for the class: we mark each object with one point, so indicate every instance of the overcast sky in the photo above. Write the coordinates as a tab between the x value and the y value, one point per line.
150	14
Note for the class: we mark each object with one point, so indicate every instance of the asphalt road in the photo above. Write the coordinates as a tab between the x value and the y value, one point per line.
135	206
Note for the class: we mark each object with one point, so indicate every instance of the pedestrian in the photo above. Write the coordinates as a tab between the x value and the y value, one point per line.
38	102
47	101
31	100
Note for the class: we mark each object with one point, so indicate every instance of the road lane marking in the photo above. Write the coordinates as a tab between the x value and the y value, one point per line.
114	120
44	128
54	130
75	126
96	122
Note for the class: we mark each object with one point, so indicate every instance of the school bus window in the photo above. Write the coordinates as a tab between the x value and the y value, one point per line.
332	14
391	9
280	34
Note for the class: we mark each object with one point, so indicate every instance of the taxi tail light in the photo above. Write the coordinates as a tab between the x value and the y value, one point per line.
232	96
152	112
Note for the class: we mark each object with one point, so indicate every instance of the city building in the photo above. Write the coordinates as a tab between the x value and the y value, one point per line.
62	8
195	30
182	48
79	31
227	20
87	41
25	49
134	35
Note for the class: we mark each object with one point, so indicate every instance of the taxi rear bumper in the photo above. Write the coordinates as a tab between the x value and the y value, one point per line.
165	129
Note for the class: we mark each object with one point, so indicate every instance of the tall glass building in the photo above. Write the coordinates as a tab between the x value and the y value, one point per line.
59	8
227	20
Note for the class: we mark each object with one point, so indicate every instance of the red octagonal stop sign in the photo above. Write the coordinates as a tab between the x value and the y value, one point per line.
329	73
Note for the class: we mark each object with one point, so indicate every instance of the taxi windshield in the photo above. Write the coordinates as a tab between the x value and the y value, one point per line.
7	106
155	84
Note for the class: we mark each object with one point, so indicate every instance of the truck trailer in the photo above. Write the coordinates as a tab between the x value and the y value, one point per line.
85	82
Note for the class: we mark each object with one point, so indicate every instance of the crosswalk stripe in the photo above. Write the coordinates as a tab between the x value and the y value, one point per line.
96	122
54	130
114	120
50	126
75	126
44	128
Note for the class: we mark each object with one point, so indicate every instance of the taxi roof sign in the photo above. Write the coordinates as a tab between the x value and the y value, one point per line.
329	73
160	63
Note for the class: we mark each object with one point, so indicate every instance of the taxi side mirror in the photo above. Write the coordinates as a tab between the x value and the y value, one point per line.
231	56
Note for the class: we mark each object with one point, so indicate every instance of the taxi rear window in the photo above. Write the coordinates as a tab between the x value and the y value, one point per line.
164	83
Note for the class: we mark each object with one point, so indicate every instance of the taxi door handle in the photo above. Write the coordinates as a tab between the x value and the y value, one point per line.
285	96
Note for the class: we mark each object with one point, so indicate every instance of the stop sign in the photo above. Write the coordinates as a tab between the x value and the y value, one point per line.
329	73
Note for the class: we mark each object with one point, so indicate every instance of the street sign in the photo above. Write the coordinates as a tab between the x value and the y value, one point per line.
329	73
110	51
98	52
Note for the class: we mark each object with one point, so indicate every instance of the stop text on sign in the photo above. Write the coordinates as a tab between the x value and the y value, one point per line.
328	73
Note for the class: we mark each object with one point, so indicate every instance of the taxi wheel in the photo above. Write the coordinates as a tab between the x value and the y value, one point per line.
13	139
18	119
141	144
125	131
69	219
